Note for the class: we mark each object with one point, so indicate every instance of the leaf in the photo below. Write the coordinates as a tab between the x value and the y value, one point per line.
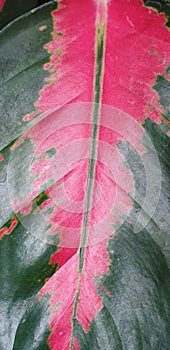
28	38
9	10
93	161
2	4
160	6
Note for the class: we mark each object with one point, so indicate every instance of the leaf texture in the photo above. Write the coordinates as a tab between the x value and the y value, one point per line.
92	161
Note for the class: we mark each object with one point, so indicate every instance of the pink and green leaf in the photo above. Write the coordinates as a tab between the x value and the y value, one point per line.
84	278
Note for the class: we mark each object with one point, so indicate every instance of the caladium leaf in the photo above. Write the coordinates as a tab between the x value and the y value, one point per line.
84	237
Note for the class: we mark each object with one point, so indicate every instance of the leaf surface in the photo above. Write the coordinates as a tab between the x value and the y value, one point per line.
92	162
9	10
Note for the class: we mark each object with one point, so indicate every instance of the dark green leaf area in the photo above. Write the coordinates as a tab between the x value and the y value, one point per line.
22	57
103	333
159	223
161	217
14	8
6	211
25	265
162	86
33	330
